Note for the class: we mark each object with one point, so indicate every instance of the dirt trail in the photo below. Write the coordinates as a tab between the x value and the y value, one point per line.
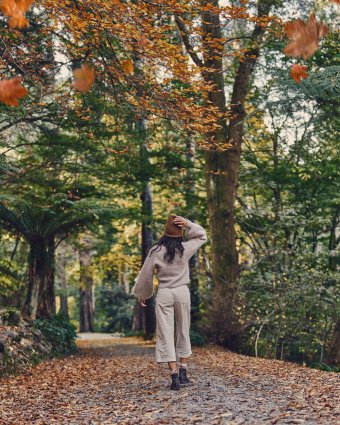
116	381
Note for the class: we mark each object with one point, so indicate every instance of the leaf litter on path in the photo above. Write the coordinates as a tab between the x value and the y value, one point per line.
117	381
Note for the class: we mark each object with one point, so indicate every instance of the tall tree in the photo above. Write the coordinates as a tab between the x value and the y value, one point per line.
223	159
191	206
147	225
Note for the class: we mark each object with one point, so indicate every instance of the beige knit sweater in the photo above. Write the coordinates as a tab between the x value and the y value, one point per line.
169	275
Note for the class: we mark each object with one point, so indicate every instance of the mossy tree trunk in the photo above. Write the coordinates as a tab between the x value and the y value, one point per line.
222	166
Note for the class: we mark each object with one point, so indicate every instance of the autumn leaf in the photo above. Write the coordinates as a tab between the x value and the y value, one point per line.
18	21
12	7
298	72
11	91
15	10
83	78
142	41
335	1
304	37
127	66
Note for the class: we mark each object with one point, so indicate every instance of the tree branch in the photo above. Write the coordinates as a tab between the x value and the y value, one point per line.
185	36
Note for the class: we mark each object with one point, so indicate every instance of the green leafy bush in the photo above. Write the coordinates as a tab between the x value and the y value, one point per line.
325	367
10	317
114	309
196	338
60	332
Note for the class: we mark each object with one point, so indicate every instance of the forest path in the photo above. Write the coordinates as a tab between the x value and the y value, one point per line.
116	381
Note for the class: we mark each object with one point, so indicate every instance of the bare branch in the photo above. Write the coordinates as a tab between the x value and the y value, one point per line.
186	41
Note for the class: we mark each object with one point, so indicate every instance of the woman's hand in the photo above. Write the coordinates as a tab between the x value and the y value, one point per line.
142	302
180	221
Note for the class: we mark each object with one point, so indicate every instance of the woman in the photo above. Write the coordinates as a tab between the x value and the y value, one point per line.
169	257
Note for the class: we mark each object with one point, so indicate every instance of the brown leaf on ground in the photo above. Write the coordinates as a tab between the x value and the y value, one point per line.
304	37
117	381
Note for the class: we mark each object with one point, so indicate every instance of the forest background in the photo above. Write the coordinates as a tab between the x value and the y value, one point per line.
186	107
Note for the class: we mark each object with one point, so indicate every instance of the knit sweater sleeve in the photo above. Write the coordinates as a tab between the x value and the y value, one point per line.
143	288
194	236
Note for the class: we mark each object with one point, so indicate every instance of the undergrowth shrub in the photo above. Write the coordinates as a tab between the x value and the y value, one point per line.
60	332
197	338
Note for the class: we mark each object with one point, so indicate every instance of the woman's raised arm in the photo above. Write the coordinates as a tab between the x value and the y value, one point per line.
143	288
194	236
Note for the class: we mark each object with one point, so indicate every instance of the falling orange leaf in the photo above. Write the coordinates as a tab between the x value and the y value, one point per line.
127	66
18	21
304	37
83	78
15	10
298	72
11	91
335	1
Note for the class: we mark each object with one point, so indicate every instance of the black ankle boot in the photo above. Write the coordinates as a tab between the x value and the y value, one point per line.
175	385
183	379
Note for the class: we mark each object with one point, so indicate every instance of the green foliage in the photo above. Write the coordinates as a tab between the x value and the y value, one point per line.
325	367
321	85
197	338
288	216
59	332
291	298
114	309
10	317
9	278
5	166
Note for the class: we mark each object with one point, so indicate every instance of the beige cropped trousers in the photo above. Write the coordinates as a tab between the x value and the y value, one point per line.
172	306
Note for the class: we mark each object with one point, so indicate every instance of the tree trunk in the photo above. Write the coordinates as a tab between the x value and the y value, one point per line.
51	277
222	170
61	272
125	279
190	200
46	304
86	291
221	178
147	235
36	277
333	356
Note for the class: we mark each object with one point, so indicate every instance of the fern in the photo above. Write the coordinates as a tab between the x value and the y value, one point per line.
7	270
321	86
5	166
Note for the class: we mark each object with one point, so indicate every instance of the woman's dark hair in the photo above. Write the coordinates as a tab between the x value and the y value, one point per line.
171	244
